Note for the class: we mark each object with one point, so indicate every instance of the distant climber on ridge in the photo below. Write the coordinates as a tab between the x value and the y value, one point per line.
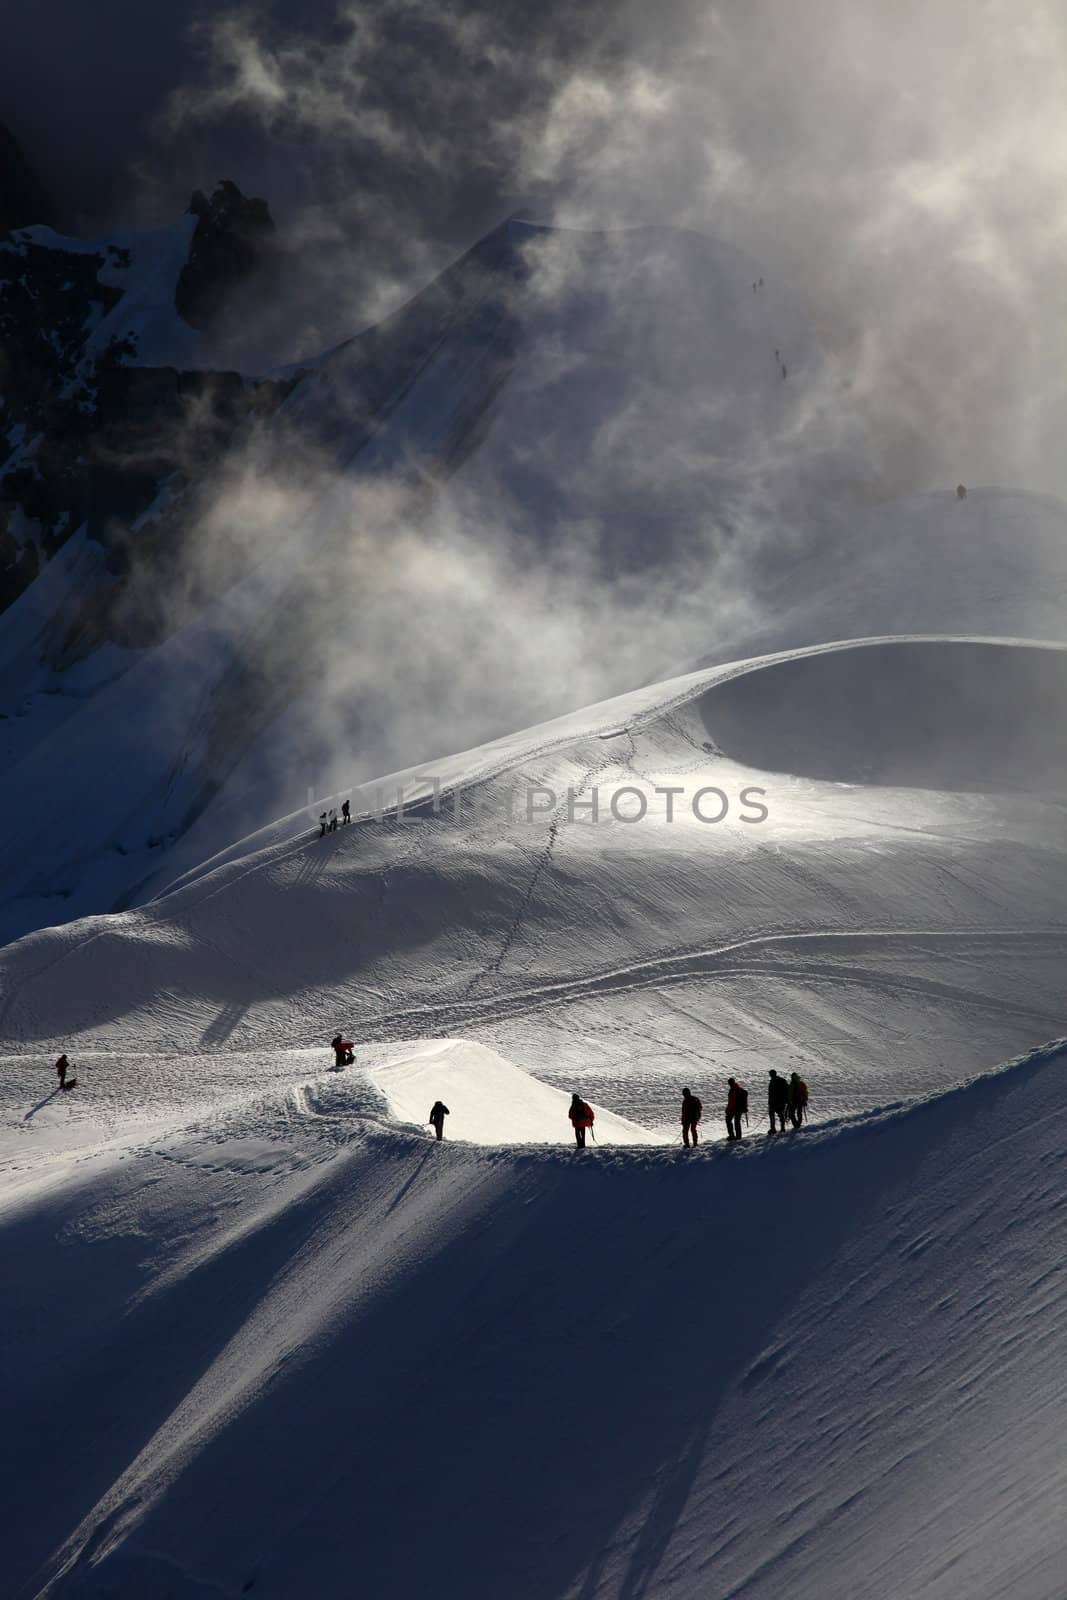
346	811
62	1068
438	1112
961	491
798	1099
777	1100
333	820
736	1108
581	1116
692	1111
323	820
343	1051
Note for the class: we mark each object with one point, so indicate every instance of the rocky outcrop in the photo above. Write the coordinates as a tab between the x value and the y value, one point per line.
232	239
88	437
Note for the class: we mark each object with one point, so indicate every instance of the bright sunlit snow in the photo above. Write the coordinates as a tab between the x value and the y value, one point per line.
551	653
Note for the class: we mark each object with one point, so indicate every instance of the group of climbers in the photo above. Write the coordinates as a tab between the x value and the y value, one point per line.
786	1098
328	819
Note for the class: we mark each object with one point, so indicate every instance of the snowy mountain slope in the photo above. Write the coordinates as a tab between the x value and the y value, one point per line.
283	1349
854	928
170	728
605	402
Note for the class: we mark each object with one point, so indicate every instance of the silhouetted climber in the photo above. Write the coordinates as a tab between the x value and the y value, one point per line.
437	1116
961	491
777	1099
581	1116
333	819
346	811
343	1053
798	1099
323	819
785	371
692	1111
736	1108
62	1068
778	355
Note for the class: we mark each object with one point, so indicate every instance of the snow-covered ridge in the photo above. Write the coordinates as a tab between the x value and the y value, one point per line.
807	928
877	1293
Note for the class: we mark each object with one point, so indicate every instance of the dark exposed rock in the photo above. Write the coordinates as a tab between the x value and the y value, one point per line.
86	437
233	235
23	200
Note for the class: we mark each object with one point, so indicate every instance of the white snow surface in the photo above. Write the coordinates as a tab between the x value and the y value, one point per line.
263	1335
270	1338
489	1100
262	1340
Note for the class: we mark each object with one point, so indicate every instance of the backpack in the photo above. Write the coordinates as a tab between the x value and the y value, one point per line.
742	1101
802	1092
696	1107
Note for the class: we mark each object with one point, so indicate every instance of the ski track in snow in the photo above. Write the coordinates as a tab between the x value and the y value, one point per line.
264	1336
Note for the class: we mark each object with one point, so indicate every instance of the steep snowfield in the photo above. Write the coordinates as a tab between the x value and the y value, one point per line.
587	397
270	1345
263	1335
886	932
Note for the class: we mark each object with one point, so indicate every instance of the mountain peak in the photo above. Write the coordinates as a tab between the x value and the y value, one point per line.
233	234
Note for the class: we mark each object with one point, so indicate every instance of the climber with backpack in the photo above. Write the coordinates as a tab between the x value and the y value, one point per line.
736	1108
798	1099
777	1100
692	1111
343	1051
581	1115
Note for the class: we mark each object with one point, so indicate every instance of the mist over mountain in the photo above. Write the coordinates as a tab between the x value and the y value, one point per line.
533	580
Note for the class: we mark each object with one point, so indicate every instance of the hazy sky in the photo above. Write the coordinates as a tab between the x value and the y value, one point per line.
900	166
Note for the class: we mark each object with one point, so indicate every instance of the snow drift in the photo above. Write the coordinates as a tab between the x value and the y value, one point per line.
489	1100
297	1353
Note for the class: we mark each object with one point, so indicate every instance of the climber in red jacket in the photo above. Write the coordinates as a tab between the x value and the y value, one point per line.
581	1116
343	1051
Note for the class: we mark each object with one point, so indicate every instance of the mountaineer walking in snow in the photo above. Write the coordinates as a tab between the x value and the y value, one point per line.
692	1111
342	1048
333	819
777	1100
437	1116
581	1116
346	811
798	1099
736	1108
62	1067
323	819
